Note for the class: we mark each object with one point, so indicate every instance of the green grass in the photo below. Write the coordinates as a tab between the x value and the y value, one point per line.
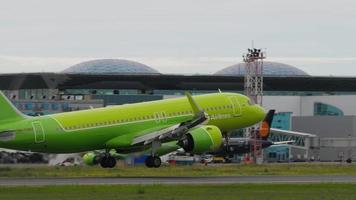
184	192
197	170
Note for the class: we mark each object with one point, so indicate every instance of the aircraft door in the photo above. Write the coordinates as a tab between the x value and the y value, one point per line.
157	117
39	132
235	105
163	117
160	117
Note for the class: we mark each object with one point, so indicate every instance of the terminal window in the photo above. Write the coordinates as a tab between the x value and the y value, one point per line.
322	109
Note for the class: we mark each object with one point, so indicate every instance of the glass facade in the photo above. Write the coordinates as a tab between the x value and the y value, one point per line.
269	69
110	66
35	108
282	120
322	109
277	153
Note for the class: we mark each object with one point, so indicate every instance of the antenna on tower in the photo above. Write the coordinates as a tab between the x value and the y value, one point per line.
254	74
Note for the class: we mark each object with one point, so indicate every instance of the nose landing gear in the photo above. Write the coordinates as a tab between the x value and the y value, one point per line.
108	162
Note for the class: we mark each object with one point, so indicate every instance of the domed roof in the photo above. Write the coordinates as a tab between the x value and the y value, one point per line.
269	69
110	66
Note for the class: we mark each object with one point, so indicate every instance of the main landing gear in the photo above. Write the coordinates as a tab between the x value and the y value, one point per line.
153	161
108	162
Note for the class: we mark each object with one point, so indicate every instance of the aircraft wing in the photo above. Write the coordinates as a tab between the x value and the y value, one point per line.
149	137
177	131
284	142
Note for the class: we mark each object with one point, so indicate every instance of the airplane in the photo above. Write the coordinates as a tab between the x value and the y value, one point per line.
233	146
195	124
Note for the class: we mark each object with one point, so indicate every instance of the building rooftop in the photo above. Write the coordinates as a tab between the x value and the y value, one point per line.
172	82
269	69
110	66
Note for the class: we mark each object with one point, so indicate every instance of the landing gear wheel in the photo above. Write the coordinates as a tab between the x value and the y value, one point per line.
108	162
153	161
149	162
111	162
156	162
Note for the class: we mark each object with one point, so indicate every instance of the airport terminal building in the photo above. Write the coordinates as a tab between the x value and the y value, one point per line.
324	106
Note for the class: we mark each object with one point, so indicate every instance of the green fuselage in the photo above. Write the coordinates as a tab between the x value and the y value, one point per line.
115	127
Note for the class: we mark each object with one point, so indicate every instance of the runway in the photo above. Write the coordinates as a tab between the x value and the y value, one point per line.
176	180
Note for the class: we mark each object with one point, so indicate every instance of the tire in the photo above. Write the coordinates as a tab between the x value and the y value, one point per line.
108	162
103	162
149	161
156	162
111	162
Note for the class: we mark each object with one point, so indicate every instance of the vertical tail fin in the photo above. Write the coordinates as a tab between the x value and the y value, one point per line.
9	112
265	127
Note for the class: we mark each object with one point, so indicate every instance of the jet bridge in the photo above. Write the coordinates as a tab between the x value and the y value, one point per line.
304	144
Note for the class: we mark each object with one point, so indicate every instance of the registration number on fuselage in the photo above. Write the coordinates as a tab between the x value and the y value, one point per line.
220	116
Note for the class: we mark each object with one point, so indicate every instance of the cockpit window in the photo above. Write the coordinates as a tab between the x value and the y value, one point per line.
7	135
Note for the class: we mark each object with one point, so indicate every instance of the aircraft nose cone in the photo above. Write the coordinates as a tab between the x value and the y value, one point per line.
260	113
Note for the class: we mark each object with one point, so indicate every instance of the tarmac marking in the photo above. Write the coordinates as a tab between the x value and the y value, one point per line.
178	180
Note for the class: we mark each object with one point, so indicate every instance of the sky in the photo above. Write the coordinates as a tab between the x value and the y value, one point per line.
178	36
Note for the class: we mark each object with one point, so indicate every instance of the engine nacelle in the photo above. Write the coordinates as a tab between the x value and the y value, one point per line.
90	159
202	139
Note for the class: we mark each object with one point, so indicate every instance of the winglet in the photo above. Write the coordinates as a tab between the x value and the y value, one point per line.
196	108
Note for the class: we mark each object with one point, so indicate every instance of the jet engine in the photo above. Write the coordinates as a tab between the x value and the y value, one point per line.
202	139
91	159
